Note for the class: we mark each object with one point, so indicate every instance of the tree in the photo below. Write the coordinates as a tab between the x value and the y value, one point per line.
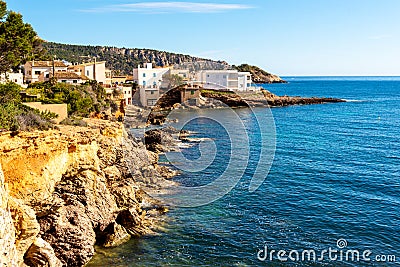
173	80
18	41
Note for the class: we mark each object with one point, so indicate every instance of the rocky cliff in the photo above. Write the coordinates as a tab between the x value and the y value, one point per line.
8	251
64	191
125	59
259	75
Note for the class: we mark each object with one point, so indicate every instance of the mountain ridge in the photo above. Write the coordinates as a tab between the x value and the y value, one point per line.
122	60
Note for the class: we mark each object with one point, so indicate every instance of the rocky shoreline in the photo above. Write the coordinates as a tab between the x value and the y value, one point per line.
265	98
65	191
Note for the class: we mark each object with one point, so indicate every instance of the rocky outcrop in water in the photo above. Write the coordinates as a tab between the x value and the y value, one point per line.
259	75
65	191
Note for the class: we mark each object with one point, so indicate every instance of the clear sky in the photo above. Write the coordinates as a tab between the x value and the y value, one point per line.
286	37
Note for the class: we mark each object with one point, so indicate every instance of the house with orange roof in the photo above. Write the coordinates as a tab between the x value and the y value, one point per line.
39	71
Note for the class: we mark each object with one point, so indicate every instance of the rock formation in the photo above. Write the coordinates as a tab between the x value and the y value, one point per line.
65	190
8	251
259	75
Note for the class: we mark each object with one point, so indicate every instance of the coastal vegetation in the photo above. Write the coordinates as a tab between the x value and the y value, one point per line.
18	40
16	116
82	100
86	100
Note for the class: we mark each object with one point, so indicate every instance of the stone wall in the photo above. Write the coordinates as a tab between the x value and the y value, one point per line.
60	109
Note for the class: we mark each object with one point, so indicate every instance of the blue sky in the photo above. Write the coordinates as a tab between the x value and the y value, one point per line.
286	37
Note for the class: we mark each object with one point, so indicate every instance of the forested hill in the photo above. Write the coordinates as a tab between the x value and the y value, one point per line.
125	59
122	60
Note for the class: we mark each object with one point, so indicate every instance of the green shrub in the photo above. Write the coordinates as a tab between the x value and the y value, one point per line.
9	93
16	116
74	122
8	114
31	121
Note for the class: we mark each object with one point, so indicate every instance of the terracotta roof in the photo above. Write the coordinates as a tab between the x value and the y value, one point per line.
47	64
91	63
69	75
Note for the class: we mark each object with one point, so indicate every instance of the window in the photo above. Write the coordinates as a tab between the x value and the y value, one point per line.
144	83
152	92
75	81
151	102
47	75
144	75
224	76
184	75
87	73
63	81
154	75
192	92
29	72
248	85
37	72
208	75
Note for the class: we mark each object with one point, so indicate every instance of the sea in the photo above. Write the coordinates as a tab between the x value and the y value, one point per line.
331	195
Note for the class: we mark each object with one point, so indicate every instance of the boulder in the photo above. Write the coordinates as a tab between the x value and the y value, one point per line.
70	233
114	235
41	254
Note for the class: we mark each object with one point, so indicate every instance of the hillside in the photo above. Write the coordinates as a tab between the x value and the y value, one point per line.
259	75
125	59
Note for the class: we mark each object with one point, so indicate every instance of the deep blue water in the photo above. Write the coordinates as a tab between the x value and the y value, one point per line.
335	176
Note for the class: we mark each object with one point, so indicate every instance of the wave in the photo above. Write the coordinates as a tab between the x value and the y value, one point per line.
354	100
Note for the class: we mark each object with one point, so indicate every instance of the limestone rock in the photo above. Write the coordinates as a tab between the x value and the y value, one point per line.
115	235
70	233
8	252
41	254
67	187
26	226
130	219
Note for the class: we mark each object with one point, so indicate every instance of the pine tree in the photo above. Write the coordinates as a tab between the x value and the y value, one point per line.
18	40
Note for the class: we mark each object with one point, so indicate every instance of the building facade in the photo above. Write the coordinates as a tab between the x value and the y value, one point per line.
149	77
17	78
69	77
94	71
39	71
224	79
149	96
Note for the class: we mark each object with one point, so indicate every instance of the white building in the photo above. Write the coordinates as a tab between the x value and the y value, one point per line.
149	77
244	81
17	78
39	71
225	79
128	94
94	71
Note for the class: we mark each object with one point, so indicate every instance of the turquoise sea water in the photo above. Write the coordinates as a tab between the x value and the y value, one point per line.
335	176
